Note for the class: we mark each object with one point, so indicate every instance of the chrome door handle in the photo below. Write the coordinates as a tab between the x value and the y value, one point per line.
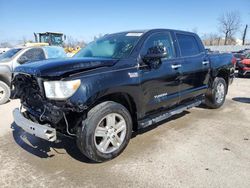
205	62
175	66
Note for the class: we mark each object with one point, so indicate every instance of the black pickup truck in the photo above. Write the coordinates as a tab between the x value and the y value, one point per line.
118	84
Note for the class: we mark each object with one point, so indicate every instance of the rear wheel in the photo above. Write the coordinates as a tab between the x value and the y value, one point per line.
106	132
216	97
4	92
240	74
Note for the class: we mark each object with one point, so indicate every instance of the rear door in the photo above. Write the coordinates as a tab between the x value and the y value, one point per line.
195	66
160	83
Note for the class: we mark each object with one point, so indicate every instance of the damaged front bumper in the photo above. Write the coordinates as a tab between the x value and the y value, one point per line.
44	116
45	131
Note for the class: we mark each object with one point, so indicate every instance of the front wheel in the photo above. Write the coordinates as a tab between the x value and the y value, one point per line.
217	94
106	131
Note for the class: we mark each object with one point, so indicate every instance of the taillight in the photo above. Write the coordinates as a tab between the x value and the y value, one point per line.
234	60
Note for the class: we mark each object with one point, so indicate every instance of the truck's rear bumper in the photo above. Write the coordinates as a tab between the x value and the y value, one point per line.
245	70
42	131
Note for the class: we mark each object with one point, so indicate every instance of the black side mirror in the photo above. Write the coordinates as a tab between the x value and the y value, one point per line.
22	59
155	53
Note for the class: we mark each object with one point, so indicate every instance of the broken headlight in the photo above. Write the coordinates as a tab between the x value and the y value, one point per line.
60	90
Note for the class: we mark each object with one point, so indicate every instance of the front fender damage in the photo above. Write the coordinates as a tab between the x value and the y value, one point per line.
65	116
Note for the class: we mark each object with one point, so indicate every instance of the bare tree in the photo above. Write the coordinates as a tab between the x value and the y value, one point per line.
211	39
229	25
70	42
73	42
24	40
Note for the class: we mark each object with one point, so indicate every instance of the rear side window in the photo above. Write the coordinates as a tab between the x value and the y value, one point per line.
188	45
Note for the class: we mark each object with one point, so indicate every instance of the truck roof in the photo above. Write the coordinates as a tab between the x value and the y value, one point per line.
155	30
58	33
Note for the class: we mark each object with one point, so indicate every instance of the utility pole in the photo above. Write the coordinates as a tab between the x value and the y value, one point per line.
244	35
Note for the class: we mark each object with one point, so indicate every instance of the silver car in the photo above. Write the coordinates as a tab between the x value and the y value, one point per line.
17	56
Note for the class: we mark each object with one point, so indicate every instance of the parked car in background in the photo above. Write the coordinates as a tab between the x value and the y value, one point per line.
244	66
18	56
3	50
238	57
118	84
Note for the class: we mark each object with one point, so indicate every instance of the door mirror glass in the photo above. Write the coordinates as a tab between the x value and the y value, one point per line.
156	47
156	53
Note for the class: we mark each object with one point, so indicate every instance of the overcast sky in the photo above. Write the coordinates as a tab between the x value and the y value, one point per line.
85	19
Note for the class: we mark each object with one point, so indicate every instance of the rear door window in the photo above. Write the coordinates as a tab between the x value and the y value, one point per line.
188	45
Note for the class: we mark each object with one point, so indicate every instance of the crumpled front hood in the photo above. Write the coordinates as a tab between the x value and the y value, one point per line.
61	67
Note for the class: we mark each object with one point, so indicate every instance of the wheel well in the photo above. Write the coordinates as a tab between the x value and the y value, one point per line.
124	99
225	76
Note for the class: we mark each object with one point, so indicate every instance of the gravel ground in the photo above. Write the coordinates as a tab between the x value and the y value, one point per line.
198	148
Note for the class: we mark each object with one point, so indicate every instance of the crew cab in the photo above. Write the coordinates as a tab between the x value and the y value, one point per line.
117	84
18	56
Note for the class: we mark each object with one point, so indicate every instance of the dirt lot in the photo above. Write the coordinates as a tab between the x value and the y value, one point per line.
199	148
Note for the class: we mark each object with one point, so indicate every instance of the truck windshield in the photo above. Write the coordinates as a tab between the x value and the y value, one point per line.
115	46
9	54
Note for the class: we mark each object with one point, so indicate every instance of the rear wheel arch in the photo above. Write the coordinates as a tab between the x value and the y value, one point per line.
223	73
215	96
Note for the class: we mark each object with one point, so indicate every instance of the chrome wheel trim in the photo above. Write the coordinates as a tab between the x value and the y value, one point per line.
2	93
110	133
220	93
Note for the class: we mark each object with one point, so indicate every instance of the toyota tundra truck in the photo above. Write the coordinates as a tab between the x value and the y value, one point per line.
116	85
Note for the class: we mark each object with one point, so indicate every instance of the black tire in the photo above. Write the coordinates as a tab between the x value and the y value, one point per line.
5	92
210	99
240	74
86	140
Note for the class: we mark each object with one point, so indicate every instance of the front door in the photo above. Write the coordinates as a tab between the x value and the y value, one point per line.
160	79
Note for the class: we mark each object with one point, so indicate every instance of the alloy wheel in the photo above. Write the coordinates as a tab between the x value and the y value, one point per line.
2	93
110	133
220	93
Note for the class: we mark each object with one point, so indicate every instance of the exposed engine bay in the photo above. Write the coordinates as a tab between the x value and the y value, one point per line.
41	110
